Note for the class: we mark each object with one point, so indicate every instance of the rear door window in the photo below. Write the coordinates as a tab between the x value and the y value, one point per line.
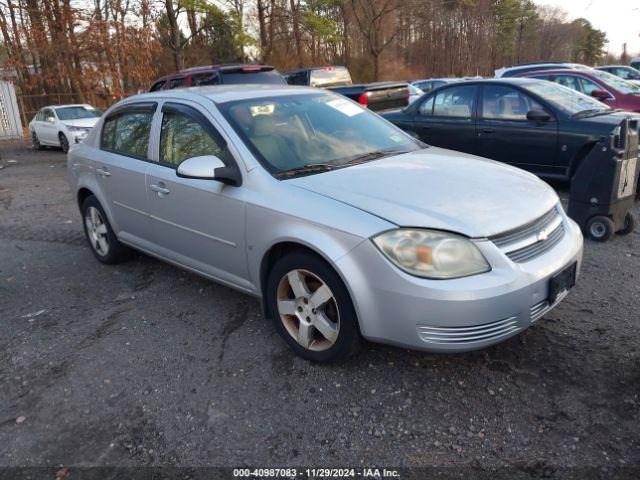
568	81
127	133
455	102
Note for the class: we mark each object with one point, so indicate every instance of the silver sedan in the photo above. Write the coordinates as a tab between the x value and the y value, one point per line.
343	225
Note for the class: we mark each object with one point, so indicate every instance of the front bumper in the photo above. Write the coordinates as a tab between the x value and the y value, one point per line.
454	315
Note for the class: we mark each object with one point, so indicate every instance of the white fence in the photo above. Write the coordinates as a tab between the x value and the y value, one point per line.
10	124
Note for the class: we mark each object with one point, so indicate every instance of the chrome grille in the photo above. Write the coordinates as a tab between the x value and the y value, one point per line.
468	335
531	240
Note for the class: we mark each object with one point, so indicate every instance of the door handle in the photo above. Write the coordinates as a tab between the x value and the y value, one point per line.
487	130
103	172
425	127
160	188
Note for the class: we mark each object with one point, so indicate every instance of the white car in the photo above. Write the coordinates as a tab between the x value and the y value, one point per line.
60	125
414	93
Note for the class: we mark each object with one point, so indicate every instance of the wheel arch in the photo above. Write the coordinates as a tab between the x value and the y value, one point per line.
82	195
284	247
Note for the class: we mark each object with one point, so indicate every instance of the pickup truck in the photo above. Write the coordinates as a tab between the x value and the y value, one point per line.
376	96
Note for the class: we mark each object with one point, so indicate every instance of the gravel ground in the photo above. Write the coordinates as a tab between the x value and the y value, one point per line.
147	365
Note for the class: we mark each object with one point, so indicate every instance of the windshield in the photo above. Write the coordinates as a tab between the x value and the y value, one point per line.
330	77
564	98
74	113
627	73
321	129
618	83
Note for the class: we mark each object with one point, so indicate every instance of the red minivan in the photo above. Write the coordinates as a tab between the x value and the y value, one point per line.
219	75
609	89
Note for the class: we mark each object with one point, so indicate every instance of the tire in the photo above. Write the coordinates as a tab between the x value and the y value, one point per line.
331	333
35	142
64	143
600	228
103	241
630	223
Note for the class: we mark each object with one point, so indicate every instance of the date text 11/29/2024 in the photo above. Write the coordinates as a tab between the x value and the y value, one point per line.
315	473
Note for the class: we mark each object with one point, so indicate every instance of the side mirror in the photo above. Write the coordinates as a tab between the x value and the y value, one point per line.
50	120
538	116
209	167
601	94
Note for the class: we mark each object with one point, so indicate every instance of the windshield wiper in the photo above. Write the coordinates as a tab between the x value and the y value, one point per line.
375	155
312	168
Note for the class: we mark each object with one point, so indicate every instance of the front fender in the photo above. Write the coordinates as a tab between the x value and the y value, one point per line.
267	229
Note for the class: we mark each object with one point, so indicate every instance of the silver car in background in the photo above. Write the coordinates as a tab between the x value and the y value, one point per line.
344	225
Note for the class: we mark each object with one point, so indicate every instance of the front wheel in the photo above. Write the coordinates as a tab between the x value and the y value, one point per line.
600	228
35	142
64	143
311	308
629	224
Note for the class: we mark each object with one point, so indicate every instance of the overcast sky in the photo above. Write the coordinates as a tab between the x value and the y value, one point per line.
620	19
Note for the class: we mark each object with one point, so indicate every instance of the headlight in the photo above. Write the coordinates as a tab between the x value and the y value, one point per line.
431	253
78	129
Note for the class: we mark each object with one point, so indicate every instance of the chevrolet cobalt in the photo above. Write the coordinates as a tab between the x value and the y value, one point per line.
344	225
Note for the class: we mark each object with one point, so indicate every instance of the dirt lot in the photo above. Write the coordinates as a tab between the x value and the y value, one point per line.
146	365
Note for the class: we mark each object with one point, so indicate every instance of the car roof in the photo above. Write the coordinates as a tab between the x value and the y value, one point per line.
613	66
507	80
559	71
67	105
226	93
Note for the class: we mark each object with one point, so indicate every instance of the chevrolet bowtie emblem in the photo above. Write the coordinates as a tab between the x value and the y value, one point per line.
543	235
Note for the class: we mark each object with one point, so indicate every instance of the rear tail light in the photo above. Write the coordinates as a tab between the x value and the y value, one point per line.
363	99
251	68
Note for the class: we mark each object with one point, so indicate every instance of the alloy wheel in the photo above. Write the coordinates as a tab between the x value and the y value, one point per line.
308	310
97	231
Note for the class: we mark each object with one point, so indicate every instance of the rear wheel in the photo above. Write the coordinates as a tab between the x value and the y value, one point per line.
103	241
630	223
600	228
311	308
64	143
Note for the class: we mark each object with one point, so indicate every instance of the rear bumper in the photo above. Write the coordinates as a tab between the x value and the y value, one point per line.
454	315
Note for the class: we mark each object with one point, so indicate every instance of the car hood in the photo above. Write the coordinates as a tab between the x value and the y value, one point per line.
609	121
440	189
81	122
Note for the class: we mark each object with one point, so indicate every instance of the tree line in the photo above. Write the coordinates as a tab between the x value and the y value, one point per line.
112	48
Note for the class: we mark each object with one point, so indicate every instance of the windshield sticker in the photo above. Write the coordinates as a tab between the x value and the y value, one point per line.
346	107
396	138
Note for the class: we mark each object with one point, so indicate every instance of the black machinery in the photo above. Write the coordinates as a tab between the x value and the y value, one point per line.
604	185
